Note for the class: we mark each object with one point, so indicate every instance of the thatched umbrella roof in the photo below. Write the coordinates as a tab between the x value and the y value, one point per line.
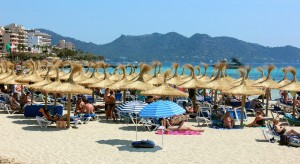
156	80
116	76
8	66
175	80
285	80
132	75
140	84
268	82
92	79
37	85
262	78
245	77
164	90
294	85
193	82
217	83
31	77
121	85
105	83
10	79
204	78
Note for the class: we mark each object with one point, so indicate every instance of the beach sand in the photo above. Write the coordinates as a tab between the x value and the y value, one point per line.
23	141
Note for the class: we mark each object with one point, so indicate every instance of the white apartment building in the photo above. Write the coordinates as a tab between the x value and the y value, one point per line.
16	36
38	40
63	44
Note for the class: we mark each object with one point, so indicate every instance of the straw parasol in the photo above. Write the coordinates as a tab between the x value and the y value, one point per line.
199	75
68	87
88	73
156	80
262	78
243	89
32	77
268	84
121	85
246	78
205	78
116	76
284	80
217	83
164	90
7	65
293	86
175	80
37	85
140	83
92	79
105	83
132	75
10	79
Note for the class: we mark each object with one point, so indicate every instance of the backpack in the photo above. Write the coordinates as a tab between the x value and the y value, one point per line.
284	140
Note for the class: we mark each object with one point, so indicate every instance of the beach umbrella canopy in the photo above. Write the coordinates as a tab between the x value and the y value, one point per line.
32	77
193	82
204	78
92	79
121	85
116	76
245	90
175	80
140	84
161	109
105	83
245	78
37	85
132	75
262	78
285	80
132	106
164	90
156	80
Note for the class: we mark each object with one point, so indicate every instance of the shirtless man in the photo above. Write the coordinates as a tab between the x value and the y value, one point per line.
89	109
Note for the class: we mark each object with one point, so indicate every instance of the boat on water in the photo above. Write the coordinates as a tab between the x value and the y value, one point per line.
233	64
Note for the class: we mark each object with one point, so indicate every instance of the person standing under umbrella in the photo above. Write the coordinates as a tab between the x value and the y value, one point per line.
110	102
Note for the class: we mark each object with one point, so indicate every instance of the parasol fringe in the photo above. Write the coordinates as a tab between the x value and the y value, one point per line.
270	68
293	71
76	68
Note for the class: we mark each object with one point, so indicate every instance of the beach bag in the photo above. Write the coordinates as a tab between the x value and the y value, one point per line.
294	141
61	124
283	140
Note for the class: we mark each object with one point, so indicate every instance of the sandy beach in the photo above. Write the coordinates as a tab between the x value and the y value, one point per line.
23	141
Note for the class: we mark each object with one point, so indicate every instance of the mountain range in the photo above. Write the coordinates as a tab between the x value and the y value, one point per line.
173	47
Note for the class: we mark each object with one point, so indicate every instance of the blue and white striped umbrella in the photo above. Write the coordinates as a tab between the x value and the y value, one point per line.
161	109
132	106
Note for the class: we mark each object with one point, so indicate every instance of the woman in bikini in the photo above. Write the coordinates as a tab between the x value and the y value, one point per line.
259	120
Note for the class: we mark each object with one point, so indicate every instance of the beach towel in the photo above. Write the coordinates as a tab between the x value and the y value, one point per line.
178	133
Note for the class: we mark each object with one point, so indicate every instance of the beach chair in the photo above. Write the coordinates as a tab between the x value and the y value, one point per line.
43	122
270	133
8	109
150	124
239	114
278	111
203	115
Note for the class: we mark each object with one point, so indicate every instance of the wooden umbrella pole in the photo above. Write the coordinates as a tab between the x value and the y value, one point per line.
93	95
267	101
69	109
32	91
46	98
194	99
55	96
215	97
242	109
294	104
124	96
204	93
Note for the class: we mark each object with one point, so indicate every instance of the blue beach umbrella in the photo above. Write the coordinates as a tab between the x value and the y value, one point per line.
131	106
161	109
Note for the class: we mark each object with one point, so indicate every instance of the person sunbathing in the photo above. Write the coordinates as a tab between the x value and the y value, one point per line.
227	121
180	127
282	130
259	120
47	115
188	108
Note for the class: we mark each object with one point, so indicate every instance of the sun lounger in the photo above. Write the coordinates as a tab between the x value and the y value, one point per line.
270	133
203	115
8	109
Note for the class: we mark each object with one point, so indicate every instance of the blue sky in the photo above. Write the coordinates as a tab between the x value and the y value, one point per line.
266	22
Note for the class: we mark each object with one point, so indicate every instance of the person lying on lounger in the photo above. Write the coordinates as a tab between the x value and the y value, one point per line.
282	130
57	117
180	127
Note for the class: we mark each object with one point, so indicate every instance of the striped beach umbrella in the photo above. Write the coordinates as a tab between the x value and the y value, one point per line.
132	106
161	109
